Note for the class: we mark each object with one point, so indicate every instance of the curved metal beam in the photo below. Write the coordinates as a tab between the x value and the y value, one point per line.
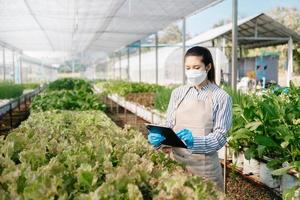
39	24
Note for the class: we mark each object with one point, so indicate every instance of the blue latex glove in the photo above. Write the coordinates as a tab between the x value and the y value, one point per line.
186	136
280	90
285	90
155	138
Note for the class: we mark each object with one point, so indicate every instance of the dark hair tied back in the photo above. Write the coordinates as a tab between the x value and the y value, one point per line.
207	59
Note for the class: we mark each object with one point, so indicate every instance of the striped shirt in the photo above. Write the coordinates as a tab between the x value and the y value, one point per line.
222	115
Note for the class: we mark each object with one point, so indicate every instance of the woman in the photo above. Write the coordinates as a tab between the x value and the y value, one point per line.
200	114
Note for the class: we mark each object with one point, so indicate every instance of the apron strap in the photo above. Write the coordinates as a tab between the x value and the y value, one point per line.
209	95
183	97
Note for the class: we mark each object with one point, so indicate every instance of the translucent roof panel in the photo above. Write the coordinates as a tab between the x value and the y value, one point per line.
269	32
94	25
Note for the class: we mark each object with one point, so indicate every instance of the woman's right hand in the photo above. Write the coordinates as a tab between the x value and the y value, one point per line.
155	139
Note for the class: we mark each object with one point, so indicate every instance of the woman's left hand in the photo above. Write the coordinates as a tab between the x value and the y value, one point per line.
187	136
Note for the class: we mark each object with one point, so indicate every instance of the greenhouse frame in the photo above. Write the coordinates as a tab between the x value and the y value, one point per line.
139	99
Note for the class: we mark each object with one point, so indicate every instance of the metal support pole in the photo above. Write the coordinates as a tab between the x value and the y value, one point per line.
114	66
106	73
140	62
218	65
73	67
224	53
255	30
40	71
290	61
128	63
234	45
225	169
21	71
110	68
120	69
241	51
13	66
183	48
4	70
156	58
17	68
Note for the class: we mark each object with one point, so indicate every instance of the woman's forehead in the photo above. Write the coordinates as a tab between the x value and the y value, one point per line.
193	60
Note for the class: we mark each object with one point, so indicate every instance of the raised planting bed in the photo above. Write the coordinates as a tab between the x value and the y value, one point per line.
153	116
239	186
84	155
14	111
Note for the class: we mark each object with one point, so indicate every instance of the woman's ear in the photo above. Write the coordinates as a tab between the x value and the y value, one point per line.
208	67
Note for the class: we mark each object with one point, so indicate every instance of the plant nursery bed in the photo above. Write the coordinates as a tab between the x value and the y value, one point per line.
146	99
239	186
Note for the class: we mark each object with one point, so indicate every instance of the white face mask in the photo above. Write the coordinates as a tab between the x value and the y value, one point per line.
195	76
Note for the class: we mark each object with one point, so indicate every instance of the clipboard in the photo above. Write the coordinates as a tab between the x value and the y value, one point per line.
171	138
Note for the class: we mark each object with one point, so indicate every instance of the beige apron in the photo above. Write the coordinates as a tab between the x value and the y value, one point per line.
196	115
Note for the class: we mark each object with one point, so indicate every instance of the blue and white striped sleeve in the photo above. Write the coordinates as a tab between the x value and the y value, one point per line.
217	139
170	118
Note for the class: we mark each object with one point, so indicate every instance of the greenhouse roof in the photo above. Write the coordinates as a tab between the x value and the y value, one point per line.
256	31
81	26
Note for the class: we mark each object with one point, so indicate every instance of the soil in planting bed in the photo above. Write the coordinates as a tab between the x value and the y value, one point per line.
14	118
238	187
146	99
122	117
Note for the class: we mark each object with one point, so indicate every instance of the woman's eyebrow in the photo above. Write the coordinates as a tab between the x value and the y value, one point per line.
193	66
196	65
